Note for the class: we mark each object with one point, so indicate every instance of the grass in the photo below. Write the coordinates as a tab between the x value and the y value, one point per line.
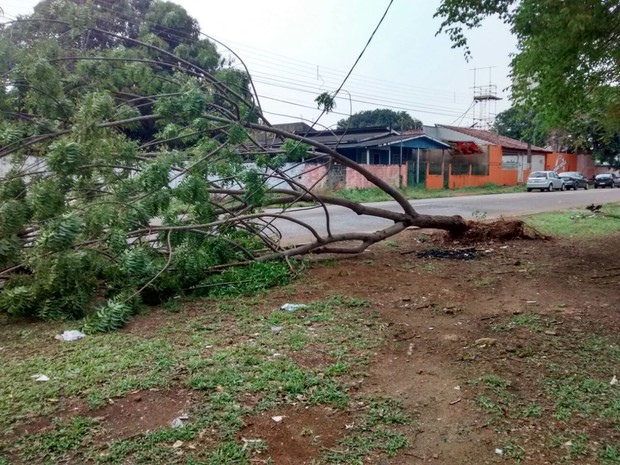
225	353
531	321
374	194
95	369
558	386
578	223
373	434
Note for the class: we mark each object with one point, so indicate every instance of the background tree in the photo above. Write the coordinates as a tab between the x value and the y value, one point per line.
566	66
127	175
397	120
520	124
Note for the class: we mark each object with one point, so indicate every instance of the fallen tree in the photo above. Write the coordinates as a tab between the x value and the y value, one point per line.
135	172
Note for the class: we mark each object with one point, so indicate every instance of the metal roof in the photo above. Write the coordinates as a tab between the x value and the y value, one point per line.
493	138
342	137
375	137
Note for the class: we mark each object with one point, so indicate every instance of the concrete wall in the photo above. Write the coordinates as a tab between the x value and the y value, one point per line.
561	162
510	169
586	165
317	177
314	176
389	173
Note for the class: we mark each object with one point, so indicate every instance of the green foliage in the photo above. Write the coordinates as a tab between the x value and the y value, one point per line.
13	216
237	134
119	121
397	120
113	315
255	188
249	279
325	102
295	151
565	67
520	124
47	199
64	157
60	234
18	300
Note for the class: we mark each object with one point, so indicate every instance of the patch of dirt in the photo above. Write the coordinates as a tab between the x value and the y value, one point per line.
299	436
316	358
435	310
136	413
142	411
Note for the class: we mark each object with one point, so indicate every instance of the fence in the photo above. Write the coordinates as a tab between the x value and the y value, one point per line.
319	177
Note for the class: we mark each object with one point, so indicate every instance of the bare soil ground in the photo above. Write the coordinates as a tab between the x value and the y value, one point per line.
436	310
503	357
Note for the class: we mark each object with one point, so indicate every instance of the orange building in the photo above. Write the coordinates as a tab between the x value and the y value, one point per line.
481	157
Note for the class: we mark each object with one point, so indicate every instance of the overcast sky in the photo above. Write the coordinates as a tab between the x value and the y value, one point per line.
296	49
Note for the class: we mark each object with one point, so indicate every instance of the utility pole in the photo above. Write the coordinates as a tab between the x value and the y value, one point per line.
417	168
400	160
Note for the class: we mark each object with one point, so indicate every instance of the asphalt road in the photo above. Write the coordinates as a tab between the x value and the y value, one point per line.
469	207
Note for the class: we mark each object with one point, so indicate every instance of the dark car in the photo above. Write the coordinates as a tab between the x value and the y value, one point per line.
606	180
574	180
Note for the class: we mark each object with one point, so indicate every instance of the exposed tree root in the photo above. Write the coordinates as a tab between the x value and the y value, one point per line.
498	231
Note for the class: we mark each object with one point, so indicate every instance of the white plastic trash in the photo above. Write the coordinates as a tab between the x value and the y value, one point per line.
71	335
292	307
40	378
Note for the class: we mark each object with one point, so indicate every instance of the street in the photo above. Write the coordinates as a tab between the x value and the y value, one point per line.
469	207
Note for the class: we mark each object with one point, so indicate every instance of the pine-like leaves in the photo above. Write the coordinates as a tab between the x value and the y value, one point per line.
85	186
109	317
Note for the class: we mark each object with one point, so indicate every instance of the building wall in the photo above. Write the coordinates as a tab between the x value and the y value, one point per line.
496	174
503	170
561	162
508	169
434	181
389	173
586	165
316	176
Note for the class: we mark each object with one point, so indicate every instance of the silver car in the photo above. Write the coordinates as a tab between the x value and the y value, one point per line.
545	181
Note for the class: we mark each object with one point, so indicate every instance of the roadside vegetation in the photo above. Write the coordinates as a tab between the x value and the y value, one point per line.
236	371
578	222
230	360
559	382
373	194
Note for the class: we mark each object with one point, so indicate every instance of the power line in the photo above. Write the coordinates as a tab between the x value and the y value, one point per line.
302	87
305	69
364	49
335	94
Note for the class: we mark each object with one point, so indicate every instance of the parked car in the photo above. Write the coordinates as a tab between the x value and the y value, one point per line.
574	180
545	181
606	180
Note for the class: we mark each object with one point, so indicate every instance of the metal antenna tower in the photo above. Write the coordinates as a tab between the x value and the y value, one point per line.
485	101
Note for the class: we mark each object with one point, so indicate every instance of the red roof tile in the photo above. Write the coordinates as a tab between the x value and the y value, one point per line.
493	138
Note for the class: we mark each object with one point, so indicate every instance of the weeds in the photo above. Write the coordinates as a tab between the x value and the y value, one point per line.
374	194
578	223
372	434
610	455
226	354
532	321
